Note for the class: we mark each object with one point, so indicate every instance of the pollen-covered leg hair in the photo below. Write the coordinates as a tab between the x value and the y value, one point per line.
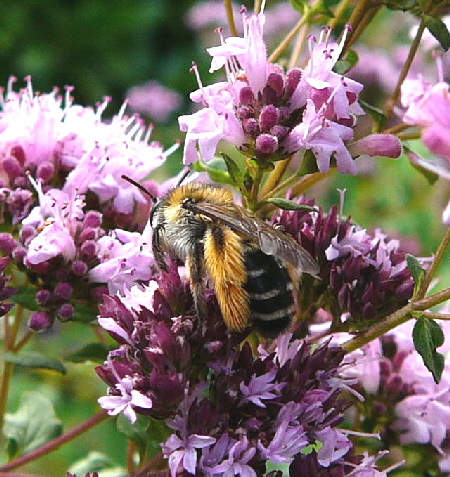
195	270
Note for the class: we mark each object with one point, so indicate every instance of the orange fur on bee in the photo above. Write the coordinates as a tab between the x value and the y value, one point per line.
227	271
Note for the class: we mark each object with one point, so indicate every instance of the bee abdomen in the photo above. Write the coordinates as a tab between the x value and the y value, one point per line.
269	287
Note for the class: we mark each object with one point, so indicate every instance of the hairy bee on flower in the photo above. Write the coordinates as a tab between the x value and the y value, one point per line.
248	262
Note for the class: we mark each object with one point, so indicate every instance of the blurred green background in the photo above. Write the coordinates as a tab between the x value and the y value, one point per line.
102	48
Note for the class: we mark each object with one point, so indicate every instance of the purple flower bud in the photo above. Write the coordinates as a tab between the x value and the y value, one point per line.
12	167
27	233
251	127
385	145
379	408
43	297
19	153
292	80
245	112
40	321
19	254
45	171
79	268
88	249
21	182
88	234
7	243
98	293
279	131
246	96
65	312
394	384
63	291
269	117
92	219
266	144
269	95
276	82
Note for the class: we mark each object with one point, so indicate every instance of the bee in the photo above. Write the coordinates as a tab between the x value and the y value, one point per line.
245	259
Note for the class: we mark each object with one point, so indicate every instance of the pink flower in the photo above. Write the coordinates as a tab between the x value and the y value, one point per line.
153	100
428	107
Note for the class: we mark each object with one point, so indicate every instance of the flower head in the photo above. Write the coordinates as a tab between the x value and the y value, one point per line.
269	114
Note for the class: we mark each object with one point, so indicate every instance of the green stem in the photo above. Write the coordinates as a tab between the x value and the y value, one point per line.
4	391
395	319
230	17
434	264
405	69
432	300
378	329
289	37
436	316
340	12
275	176
55	443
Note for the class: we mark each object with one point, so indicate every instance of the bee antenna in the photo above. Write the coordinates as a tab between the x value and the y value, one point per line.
186	172
140	187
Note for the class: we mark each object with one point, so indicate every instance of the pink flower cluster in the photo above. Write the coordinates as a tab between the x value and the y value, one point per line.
269	114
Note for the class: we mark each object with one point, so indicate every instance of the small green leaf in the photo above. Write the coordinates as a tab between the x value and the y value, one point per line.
96	462
308	164
136	432
299	5
416	271
95	352
417	162
84	313
343	66
286	204
439	30
233	170
216	170
33	425
376	114
35	360
26	298
427	336
311	448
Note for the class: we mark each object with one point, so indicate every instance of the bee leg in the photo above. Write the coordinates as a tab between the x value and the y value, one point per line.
195	270
156	248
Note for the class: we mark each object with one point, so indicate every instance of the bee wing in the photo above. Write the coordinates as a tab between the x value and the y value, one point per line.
270	240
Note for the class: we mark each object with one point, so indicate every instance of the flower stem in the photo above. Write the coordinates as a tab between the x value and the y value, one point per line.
289	37
395	319
434	264
340	12
55	443
378	329
275	176
230	17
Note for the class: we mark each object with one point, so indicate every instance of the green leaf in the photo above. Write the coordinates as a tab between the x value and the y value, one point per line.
233	170
35	360
342	66
311	448
95	352
427	336
416	271
376	114
439	30
299	5
84	313
216	170
33	425
26	298
416	161
96	462
147	433
286	204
